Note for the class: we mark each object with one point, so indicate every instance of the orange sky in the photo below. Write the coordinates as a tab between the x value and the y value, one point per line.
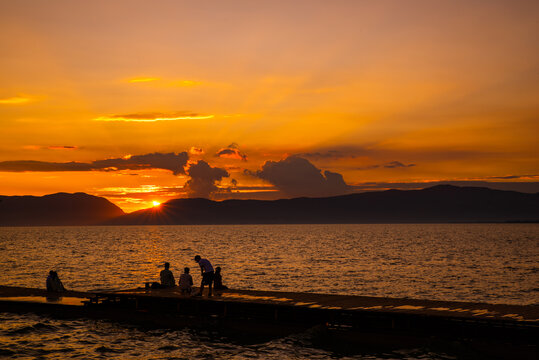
385	93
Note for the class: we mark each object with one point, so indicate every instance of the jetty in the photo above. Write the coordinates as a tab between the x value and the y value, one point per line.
349	321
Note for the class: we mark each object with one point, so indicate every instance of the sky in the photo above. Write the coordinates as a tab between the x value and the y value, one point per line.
141	101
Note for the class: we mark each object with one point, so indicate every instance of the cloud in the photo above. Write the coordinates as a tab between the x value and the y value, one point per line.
231	152
389	165
509	177
153	117
203	179
170	161
396	164
185	83
16	100
51	147
142	79
196	151
296	176
62	147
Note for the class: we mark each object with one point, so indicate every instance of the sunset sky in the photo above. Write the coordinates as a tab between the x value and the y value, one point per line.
142	101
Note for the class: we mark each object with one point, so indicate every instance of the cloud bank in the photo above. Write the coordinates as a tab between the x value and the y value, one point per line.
296	176
169	161
203	179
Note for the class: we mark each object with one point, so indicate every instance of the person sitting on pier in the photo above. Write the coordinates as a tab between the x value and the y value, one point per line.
207	274
167	278
54	284
218	280
186	282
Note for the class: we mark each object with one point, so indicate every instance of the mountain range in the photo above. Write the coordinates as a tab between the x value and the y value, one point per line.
438	204
56	209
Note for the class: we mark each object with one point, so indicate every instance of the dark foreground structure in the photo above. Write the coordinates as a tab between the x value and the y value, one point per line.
347	323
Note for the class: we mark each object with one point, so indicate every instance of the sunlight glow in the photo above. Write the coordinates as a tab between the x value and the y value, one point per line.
156	203
15	100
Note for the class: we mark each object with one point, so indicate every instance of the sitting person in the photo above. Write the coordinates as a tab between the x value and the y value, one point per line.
218	280
186	282
167	278
54	284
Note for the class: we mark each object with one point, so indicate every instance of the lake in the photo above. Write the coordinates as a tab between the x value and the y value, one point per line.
495	263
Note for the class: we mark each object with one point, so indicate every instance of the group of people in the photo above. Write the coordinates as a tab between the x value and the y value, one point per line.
210	277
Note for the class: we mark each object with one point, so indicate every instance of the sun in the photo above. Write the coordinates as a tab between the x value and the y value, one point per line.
156	203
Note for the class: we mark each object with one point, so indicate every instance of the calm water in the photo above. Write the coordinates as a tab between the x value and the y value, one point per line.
477	262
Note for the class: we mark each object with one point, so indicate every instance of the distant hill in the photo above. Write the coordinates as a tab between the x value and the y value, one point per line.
56	209
438	204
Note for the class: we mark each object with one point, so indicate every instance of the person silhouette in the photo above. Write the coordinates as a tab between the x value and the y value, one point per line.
167	278
207	274
53	283
218	280
186	282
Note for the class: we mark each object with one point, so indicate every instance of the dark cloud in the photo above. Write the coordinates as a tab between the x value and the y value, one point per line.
203	179
196	151
296	176
231	152
396	164
170	161
509	177
62	147
389	165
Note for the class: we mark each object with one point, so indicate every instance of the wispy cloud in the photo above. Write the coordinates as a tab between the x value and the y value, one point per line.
397	164
388	165
153	117
50	147
62	147
143	79
156	81
185	83
511	177
16	100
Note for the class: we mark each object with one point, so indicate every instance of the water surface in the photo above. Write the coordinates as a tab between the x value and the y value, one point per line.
496	263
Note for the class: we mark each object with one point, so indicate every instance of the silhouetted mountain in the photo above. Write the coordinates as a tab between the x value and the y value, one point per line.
438	204
56	209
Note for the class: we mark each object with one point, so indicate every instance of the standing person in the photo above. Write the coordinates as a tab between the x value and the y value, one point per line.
207	274
186	282
167	278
